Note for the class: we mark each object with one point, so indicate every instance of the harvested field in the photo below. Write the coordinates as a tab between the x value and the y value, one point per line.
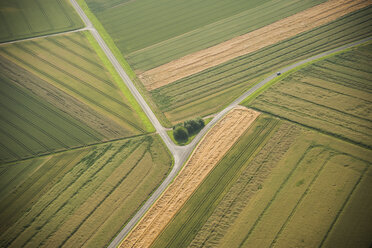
29	18
211	149
280	185
56	94
250	42
332	95
209	91
79	198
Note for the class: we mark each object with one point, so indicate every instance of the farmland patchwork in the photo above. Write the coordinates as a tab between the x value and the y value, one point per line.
332	96
81	197
280	185
79	159
57	94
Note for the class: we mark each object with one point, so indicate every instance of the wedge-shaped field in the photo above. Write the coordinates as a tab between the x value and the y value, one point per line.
79	198
333	95
280	185
28	18
57	94
210	90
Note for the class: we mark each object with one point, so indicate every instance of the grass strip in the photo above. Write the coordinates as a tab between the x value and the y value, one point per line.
148	126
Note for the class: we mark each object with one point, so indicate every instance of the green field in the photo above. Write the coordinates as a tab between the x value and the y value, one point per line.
332	95
56	93
79	198
29	18
212	89
280	185
151	33
253	17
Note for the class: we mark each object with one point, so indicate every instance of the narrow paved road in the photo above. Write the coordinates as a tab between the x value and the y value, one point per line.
179	153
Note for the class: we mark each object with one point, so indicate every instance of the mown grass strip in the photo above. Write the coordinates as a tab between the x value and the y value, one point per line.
148	126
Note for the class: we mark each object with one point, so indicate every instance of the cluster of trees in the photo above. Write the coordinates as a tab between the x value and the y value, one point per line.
182	131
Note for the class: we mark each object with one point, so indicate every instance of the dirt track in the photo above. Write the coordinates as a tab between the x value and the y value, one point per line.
210	150
250	42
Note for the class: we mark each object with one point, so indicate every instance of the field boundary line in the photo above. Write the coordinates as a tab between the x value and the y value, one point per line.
43	36
63	86
282	185
72	148
244	185
331	155
112	190
44	106
324	106
344	205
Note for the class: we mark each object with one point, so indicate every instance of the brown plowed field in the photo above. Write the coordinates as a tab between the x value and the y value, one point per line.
210	150
250	42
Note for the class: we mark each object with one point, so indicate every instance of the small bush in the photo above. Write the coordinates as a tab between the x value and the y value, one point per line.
191	127
180	133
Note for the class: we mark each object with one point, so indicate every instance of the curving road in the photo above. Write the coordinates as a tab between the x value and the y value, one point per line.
180	153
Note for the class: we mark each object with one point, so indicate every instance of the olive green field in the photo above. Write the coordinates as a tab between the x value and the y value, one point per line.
280	185
332	95
81	197
56	93
20	19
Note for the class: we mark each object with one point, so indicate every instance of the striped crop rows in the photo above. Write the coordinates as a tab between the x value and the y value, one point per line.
31	126
210	90
280	185
75	198
25	18
197	209
332	96
69	100
212	34
22	19
249	182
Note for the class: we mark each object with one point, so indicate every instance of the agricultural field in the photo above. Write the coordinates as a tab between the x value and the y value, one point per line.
210	150
79	198
21	19
56	94
244	44
332	95
209	91
280	185
150	33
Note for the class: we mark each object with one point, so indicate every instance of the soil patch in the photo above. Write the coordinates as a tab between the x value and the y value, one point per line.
210	150
250	42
